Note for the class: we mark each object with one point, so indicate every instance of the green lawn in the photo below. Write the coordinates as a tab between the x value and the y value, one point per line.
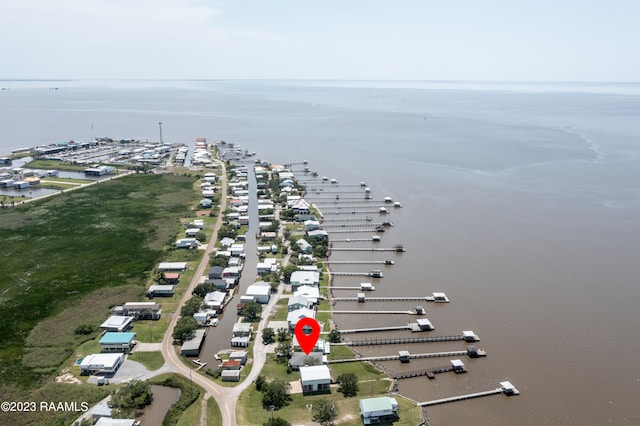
151	360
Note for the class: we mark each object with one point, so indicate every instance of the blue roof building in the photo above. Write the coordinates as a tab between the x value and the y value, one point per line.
118	342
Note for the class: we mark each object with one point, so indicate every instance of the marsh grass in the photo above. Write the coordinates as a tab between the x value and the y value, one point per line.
72	257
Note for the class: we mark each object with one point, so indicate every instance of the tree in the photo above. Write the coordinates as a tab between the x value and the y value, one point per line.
219	260
268	336
284	350
132	396
287	271
276	421
191	306
201	236
260	383
283	334
252	311
184	328
204	288
348	384
334	336
324	411
276	393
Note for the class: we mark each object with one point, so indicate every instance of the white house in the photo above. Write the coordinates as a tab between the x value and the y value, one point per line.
378	410
311	225
294	316
117	323
260	291
308	278
101	363
215	300
312	293
187	243
315	378
318	234
304	246
297	302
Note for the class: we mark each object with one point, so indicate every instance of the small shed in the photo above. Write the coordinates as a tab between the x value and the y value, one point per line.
239	356
230	375
240	342
231	364
404	356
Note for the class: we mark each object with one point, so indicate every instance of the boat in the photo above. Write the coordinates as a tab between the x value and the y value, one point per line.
384	210
397	204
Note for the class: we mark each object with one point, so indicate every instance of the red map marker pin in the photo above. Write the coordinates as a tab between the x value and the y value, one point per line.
307	341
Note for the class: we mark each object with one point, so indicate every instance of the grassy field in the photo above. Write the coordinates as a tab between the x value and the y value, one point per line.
151	360
68	259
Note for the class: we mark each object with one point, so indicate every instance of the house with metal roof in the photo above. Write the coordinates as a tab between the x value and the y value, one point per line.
378	410
315	379
117	323
309	278
117	342
260	291
101	363
191	347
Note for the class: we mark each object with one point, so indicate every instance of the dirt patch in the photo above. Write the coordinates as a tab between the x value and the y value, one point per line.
67	377
203	213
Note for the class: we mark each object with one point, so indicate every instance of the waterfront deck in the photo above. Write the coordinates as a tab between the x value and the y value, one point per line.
397	357
505	388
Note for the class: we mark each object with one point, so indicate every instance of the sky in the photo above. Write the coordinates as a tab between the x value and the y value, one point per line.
477	40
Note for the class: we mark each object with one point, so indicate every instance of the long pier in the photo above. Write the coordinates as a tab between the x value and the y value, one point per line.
505	387
396	249
397	357
429	372
397	341
387	299
352	240
349	231
408	312
355	274
358	262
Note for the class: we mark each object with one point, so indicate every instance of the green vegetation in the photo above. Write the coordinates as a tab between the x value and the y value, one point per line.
184	329
151	360
190	393
53	164
348	384
324	411
130	399
72	257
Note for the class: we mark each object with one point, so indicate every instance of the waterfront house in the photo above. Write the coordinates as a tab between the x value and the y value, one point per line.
318	234
215	272
311	293
378	410
311	225
117	342
297	302
308	278
117	323
231	364
315	379
191	347
231	272
215	300
300	359
239	356
294	316
260	291
242	329
301	207
304	246
240	342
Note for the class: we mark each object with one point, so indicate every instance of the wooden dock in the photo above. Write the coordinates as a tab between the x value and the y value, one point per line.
396	249
375	329
408	312
429	372
397	357
398	340
387	299
505	387
359	262
356	274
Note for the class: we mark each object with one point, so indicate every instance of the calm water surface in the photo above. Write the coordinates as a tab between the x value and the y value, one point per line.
520	203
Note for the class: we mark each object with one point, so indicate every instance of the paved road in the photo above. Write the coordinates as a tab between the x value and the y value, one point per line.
226	397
